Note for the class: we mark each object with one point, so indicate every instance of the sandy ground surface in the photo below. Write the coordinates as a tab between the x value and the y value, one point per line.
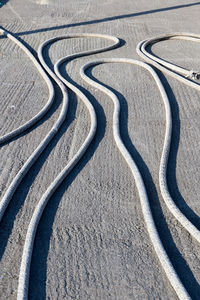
92	241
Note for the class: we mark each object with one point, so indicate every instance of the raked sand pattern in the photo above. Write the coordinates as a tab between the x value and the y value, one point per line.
79	250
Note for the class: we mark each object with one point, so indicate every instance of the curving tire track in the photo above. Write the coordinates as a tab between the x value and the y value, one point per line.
30	236
177	73
153	234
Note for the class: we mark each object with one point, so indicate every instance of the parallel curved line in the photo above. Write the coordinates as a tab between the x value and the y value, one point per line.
23	282
157	244
173	71
36	153
166	67
6	137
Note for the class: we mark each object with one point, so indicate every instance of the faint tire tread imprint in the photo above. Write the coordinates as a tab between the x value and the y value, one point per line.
23	282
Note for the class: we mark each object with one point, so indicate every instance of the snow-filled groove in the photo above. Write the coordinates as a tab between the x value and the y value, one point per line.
153	234
177	73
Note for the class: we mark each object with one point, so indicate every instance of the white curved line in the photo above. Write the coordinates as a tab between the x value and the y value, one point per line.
6	137
157	244
37	152
23	282
165	67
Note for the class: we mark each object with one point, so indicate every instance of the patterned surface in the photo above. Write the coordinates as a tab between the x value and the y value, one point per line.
92	242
